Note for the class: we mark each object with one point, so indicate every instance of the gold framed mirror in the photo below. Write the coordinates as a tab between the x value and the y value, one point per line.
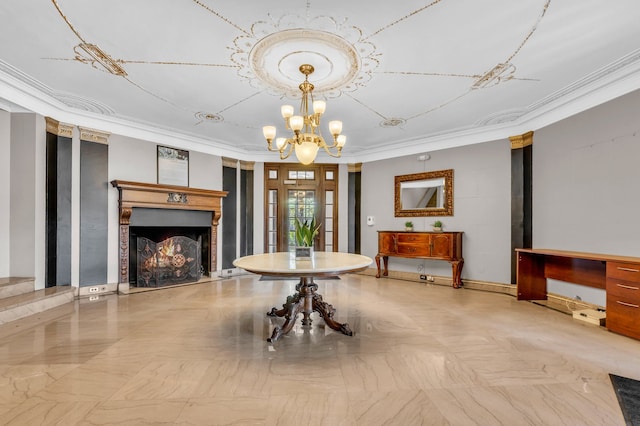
424	194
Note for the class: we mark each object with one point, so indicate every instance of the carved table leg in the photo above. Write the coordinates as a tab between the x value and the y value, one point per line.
275	312
456	267
307	289
307	301
327	311
293	307
385	259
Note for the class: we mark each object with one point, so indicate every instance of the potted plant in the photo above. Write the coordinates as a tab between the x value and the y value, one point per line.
306	232
437	226
408	226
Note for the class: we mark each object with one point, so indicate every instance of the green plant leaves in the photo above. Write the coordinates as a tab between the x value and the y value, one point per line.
306	232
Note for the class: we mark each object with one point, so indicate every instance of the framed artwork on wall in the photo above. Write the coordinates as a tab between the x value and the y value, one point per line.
173	166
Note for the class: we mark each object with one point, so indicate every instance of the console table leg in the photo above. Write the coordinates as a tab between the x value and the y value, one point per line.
378	265
456	267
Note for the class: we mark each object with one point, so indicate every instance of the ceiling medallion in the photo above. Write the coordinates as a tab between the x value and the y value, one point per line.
393	122
270	55
208	117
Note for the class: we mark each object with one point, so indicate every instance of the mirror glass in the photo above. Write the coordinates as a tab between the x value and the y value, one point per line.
424	194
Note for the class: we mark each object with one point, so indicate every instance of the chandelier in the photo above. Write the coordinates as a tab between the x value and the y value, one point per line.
306	139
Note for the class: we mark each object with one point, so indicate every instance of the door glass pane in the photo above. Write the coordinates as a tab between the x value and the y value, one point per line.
328	221
301	205
272	228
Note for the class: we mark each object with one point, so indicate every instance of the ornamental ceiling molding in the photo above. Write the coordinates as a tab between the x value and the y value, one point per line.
268	56
83	103
25	79
631	60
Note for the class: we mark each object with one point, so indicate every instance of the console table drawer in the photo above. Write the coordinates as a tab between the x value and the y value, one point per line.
624	271
413	238
413	250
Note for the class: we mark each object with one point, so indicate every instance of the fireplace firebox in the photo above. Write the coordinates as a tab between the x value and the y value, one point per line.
175	260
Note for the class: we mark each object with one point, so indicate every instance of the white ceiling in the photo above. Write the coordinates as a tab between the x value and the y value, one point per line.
404	76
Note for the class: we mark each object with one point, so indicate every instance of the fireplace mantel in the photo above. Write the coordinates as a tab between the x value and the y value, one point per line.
149	195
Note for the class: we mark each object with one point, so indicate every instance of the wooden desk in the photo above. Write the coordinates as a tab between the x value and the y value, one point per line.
619	276
422	245
306	300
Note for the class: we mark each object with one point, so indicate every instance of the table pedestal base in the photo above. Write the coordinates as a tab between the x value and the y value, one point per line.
305	301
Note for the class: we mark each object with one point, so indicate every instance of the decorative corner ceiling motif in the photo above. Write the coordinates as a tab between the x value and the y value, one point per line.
269	55
91	54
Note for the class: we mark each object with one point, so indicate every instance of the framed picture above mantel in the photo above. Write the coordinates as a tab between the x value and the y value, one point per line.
173	166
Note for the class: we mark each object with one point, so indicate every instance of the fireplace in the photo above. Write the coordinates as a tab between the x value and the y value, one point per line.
168	234
167	255
176	260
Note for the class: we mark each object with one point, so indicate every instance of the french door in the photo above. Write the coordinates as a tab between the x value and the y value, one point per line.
294	191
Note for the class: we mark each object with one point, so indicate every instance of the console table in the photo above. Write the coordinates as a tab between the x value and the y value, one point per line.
422	245
619	276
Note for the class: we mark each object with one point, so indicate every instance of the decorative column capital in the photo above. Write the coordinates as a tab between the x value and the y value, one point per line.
92	135
59	129
520	141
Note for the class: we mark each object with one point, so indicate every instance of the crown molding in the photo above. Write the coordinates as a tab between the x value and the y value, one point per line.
618	78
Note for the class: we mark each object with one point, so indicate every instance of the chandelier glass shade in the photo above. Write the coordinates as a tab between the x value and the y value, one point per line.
306	139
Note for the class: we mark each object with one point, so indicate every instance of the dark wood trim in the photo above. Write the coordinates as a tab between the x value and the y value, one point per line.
149	195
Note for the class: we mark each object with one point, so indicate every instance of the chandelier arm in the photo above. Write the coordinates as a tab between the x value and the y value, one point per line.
335	143
271	148
289	143
336	155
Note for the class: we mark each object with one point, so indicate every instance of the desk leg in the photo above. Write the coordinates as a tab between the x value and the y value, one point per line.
307	301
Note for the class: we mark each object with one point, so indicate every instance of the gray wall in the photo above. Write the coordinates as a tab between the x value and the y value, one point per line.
586	171
482	208
27	199
94	230
5	191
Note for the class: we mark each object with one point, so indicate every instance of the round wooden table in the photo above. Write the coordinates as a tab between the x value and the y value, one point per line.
306	300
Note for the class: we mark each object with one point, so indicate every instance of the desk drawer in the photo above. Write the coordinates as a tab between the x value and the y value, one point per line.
624	271
413	238
623	316
624	290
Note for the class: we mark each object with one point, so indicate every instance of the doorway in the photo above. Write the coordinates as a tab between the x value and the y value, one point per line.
297	192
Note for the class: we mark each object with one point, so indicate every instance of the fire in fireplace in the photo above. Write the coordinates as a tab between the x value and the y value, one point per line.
175	260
